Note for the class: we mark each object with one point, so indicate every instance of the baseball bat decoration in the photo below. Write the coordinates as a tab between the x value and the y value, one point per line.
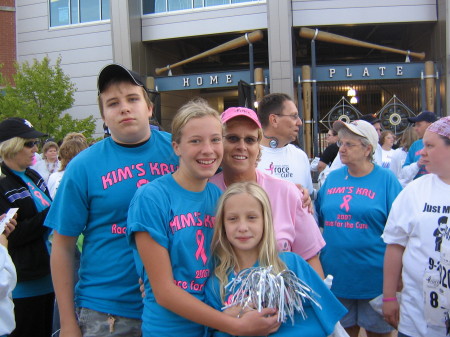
309	33
259	83
252	37
307	103
429	85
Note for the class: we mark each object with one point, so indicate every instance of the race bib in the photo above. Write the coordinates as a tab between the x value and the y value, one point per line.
434	299
445	276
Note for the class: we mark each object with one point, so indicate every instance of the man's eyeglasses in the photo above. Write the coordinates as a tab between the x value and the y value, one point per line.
293	117
31	143
249	140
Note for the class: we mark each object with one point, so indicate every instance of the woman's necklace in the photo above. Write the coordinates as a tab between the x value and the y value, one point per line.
51	167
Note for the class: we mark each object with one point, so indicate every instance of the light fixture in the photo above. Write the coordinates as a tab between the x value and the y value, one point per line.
351	92
255	104
354	100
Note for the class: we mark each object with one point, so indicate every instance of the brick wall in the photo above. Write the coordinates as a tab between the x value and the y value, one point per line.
7	37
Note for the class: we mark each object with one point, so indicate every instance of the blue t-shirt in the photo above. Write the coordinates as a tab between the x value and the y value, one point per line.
182	222
319	322
353	212
414	155
93	199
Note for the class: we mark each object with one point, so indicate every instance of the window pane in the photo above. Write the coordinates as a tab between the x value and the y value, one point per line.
59	13
160	6
175	5
153	6
105	10
89	10
216	2
148	6
74	12
198	3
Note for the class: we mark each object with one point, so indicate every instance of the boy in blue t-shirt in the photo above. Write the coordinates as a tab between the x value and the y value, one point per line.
93	199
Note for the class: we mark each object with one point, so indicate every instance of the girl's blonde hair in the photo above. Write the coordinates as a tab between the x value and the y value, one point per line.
196	108
9	148
69	149
223	252
75	135
409	136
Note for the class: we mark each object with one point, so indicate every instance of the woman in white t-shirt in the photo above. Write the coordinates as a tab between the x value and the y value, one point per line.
49	162
8	280
387	139
418	246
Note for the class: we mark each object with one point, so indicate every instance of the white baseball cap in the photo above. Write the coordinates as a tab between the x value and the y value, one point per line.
360	128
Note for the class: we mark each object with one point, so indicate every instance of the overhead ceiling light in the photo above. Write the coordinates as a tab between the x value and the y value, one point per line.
354	100
351	92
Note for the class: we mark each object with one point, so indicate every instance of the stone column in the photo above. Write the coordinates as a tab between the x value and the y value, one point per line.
126	31
280	40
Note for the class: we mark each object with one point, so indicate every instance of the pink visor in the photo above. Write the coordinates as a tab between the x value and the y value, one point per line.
231	113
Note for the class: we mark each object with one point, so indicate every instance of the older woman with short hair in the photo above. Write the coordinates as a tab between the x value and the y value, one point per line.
49	163
352	206
23	188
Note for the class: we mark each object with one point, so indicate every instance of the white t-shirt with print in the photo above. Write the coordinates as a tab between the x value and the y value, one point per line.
288	163
419	221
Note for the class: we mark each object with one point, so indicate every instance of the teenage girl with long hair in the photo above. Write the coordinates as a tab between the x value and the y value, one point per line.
171	224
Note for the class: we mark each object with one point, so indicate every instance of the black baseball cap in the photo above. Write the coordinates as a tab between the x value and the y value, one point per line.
424	116
18	127
118	71
370	118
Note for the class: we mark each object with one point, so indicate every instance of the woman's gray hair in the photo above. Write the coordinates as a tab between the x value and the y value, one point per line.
344	132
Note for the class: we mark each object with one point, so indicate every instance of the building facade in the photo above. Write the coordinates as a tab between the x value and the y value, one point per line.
149	35
8	37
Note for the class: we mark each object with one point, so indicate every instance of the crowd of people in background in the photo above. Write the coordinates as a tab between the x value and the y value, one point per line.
142	233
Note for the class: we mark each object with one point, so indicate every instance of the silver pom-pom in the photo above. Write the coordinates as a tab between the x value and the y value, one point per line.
259	287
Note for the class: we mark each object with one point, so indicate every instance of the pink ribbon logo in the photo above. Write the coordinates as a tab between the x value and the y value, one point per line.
41	198
345	204
200	237
270	168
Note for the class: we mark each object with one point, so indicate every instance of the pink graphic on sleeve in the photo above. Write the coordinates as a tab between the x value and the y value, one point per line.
346	204
38	195
200	237
41	198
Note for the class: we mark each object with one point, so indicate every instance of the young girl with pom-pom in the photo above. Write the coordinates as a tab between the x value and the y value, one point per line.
244	238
